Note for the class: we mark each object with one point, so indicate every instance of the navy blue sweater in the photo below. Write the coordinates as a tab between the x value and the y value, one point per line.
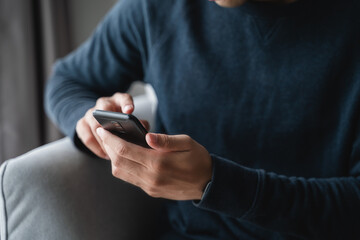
272	92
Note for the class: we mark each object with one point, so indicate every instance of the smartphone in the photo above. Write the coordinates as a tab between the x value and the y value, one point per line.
125	126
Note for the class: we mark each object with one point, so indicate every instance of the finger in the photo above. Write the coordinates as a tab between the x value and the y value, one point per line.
93	125
125	101
106	104
126	176
118	147
125	164
145	124
91	120
150	186
99	142
169	143
86	136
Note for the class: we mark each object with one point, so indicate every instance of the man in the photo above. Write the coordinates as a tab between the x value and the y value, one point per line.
258	106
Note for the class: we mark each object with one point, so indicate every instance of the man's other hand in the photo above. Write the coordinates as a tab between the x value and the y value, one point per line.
177	167
86	126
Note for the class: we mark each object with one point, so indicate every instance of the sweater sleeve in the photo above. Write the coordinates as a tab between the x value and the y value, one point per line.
107	63
315	208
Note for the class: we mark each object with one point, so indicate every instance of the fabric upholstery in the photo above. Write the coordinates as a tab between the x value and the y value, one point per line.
58	192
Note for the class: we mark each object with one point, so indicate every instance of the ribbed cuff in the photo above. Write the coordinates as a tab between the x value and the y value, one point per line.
72	116
233	189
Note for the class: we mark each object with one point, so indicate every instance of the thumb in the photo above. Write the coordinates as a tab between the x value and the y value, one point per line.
169	143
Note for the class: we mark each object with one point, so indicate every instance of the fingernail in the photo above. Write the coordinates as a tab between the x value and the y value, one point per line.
100	132
127	108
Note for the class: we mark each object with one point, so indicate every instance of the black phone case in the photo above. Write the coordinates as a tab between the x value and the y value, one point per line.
125	126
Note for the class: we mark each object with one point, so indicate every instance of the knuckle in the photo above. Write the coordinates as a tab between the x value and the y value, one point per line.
115	171
98	103
152	192
82	121
155	182
126	96
103	103
159	165
100	100
116	95
121	150
118	163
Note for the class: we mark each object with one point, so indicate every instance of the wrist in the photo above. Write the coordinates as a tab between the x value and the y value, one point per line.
205	185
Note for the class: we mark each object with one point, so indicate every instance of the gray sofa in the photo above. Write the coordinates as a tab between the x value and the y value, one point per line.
69	195
58	192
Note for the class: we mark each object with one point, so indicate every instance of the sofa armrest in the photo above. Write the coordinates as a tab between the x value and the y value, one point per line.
57	192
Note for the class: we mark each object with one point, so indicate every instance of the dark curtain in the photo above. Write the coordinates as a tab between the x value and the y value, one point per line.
33	33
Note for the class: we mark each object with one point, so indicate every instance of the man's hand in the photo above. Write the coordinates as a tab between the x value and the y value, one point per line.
86	126
177	167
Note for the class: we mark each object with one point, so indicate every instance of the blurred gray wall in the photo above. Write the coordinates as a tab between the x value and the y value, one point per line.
32	35
84	16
